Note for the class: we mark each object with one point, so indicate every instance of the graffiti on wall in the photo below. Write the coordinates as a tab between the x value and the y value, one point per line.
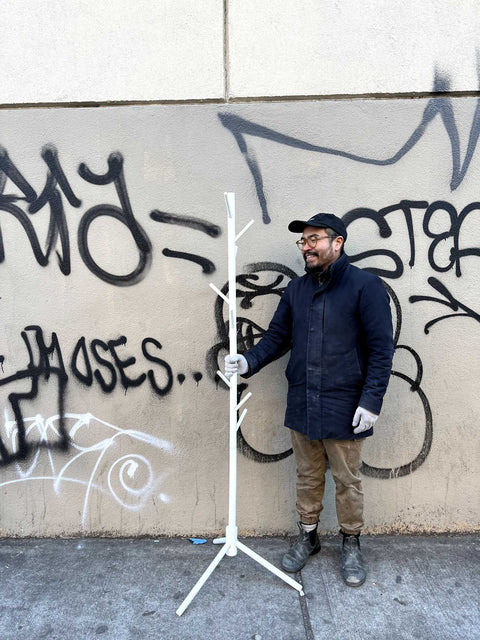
56	184
100	362
105	363
131	480
436	107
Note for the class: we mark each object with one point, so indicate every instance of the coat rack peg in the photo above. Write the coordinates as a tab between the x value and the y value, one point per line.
243	400
247	226
219	293
240	420
224	378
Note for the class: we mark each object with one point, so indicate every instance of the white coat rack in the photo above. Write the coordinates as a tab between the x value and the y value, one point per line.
230	542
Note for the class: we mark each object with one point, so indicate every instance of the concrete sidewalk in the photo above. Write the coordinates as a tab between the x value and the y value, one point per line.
417	587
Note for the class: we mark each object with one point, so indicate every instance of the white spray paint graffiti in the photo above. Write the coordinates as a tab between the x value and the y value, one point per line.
124	470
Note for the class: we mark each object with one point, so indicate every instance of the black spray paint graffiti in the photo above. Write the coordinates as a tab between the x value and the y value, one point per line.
442	107
100	362
407	208
211	230
37	369
449	301
57	187
451	233
123	214
114	366
249	332
109	367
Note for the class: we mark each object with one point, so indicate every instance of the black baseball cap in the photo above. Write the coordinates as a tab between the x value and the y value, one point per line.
320	220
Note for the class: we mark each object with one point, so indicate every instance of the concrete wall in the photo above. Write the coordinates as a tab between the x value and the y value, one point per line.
350	47
90	51
113	224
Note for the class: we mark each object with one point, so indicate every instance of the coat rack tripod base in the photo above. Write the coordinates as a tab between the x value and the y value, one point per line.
231	543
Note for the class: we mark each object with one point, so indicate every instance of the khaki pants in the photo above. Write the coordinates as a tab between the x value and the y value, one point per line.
344	457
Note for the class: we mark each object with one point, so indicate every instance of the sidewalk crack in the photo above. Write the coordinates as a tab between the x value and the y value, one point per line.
304	609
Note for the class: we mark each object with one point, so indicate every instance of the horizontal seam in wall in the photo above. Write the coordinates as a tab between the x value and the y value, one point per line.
242	99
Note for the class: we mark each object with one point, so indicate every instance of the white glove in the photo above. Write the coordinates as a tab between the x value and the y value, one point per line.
235	364
365	418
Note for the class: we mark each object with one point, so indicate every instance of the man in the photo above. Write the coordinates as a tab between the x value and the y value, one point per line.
337	321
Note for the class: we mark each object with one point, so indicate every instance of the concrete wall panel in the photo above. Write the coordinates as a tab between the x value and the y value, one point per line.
348	47
84	50
113	225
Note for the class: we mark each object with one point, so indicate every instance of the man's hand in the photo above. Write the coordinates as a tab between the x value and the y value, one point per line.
235	364
364	419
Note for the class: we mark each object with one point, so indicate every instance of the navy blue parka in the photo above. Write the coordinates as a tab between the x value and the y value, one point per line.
341	340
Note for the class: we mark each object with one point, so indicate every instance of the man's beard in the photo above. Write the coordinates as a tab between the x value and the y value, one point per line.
314	271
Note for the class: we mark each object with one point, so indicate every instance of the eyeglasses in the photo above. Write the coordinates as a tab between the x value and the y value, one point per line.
311	241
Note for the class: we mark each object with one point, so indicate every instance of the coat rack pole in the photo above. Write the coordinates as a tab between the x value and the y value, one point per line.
231	542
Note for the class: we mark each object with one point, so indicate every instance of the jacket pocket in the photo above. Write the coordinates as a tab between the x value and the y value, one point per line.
342	370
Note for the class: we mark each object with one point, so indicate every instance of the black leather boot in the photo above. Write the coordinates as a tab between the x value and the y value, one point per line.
307	544
353	567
